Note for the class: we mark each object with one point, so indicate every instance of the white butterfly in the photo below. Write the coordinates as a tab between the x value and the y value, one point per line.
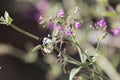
47	45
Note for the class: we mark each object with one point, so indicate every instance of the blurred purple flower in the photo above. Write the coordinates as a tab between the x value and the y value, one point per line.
60	13
37	16
68	33
101	23
116	31
77	24
50	26
41	7
59	27
110	9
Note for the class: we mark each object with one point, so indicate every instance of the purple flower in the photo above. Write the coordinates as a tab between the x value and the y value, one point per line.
42	5
59	27
101	23
60	13
68	33
50	26
77	24
116	31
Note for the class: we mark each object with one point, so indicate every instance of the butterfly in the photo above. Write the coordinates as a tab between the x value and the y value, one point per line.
48	46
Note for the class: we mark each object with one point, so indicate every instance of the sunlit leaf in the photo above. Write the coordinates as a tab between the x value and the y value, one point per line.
55	31
6	15
6	19
110	14
104	1
9	20
80	54
2	20
73	72
84	57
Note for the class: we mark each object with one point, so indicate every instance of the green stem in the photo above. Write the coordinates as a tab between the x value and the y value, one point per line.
74	40
24	32
69	57
97	71
98	44
104	77
84	52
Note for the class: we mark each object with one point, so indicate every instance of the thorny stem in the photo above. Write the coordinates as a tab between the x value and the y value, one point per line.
24	32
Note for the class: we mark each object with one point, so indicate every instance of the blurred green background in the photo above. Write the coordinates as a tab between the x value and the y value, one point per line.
25	14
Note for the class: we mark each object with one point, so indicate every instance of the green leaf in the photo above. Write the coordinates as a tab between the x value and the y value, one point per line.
73	72
110	14
2	20
36	48
80	54
55	32
6	15
104	1
84	57
7	19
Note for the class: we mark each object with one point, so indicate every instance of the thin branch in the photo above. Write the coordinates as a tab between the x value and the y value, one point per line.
24	32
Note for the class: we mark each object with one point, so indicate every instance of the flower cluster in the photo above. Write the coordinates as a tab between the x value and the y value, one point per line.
60	13
116	31
101	23
68	33
77	25
59	27
58	21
